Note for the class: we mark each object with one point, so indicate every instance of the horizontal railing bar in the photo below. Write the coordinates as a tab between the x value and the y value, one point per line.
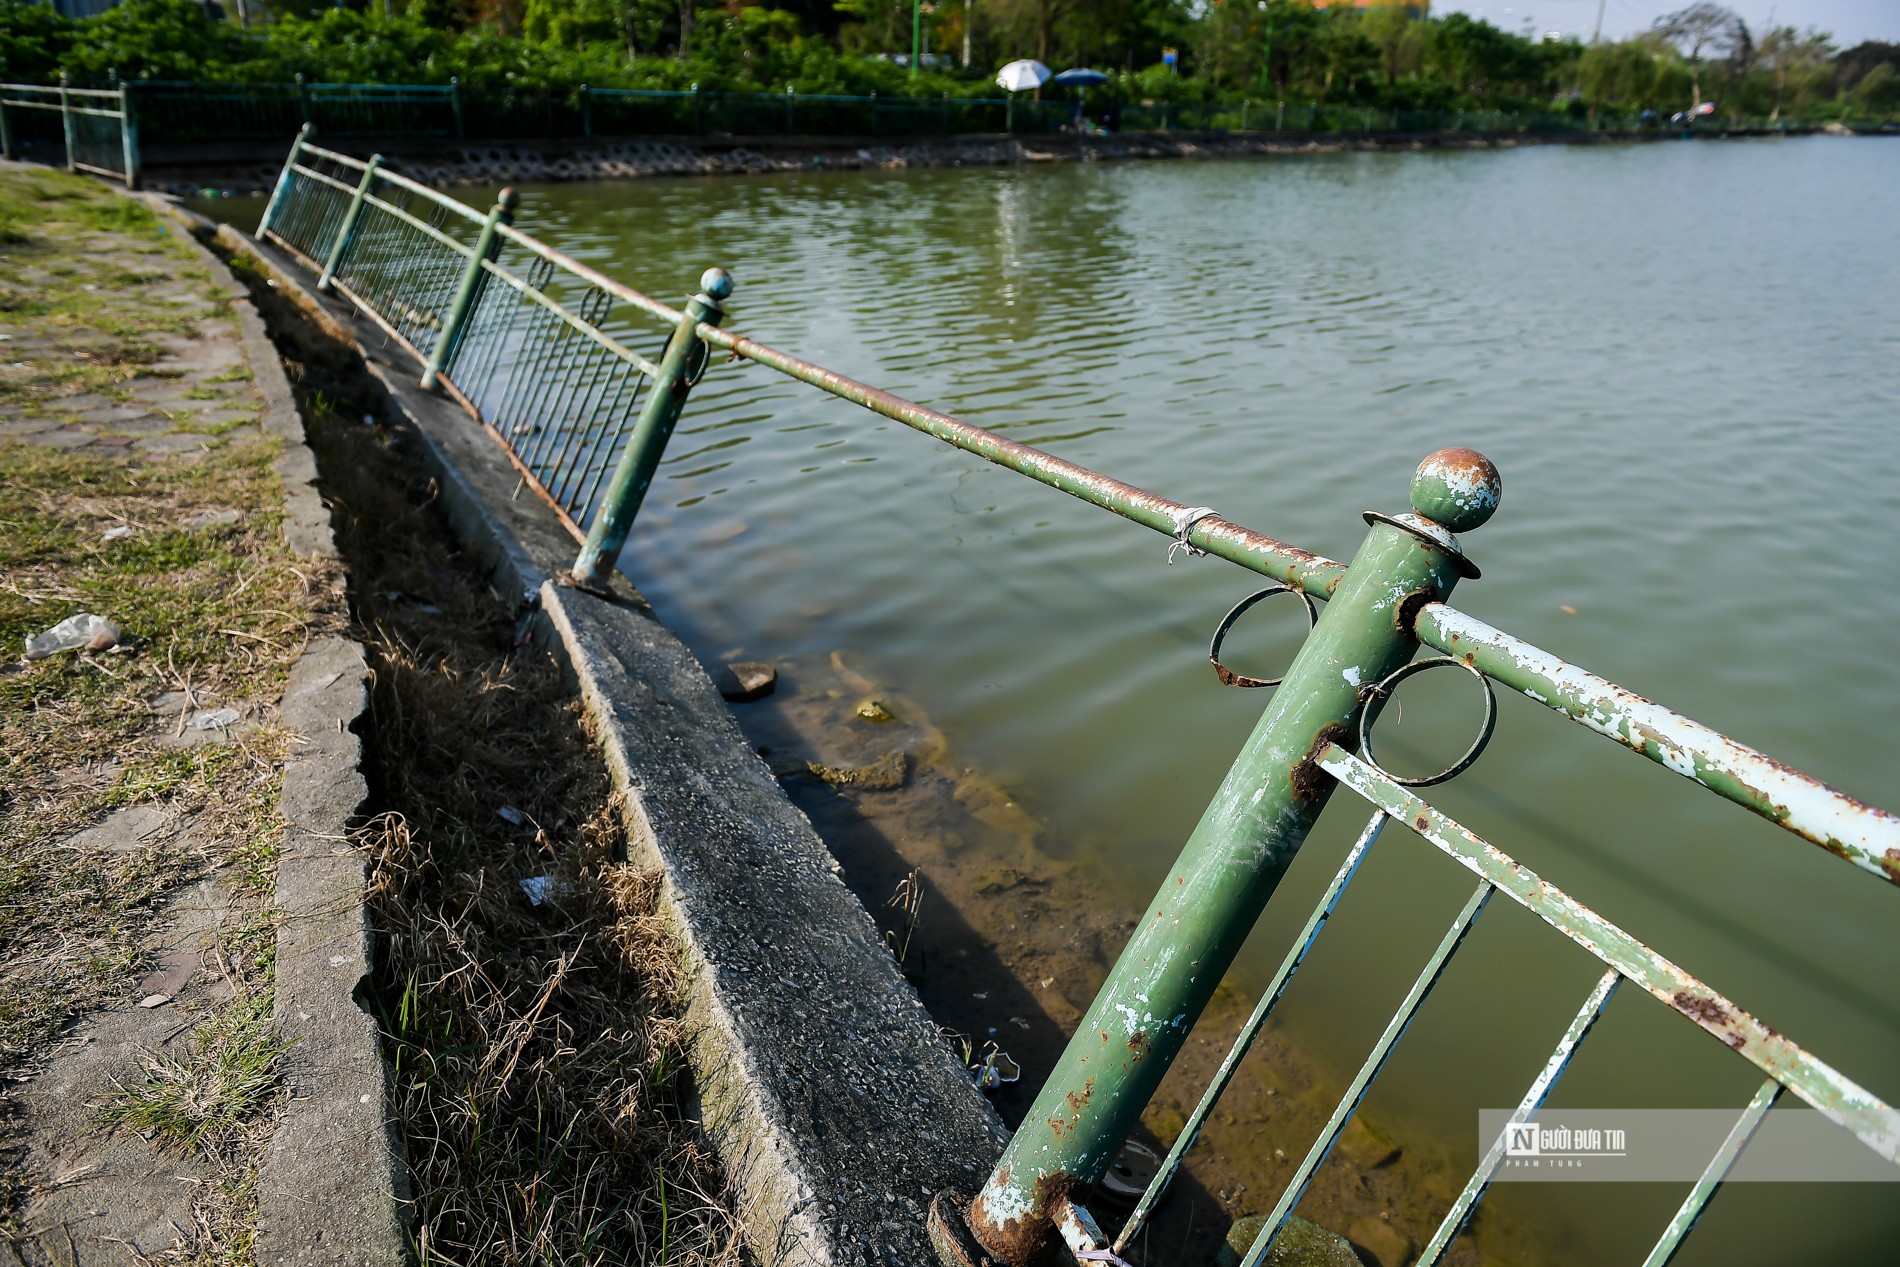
98	171
421	225
591	331
97	114
56	90
440	199
1269	998
1840	1099
1256	551
1375	1061
321	178
619	290
354	164
1540	1089
1866	836
54	106
1717	1170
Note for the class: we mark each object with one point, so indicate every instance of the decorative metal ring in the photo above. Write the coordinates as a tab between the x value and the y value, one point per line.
1375	697
1226	675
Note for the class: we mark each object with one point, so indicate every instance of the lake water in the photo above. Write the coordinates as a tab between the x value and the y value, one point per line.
1684	358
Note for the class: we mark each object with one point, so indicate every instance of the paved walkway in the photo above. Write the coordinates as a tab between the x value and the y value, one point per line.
138	782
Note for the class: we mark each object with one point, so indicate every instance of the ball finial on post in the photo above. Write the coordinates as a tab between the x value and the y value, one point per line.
1457	489
717	283
508	200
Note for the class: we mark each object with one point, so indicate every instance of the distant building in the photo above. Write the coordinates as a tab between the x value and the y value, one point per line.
81	8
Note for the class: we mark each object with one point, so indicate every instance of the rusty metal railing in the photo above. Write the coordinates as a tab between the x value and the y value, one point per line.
521	340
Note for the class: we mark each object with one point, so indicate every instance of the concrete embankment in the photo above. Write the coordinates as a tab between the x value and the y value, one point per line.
249	167
823	1085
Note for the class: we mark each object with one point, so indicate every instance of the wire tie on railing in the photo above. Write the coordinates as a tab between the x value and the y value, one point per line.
1108	1256
1184	521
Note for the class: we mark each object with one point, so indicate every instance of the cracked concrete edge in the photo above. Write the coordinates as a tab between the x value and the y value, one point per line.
333	1182
825	1088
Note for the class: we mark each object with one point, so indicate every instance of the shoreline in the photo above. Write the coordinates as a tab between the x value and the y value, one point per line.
250	168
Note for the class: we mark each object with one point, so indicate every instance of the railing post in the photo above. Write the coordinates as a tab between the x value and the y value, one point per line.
347	230
1229	868
789	99
455	103
304	133
587	113
303	101
1279	114
680	367
66	120
6	132
699	112
129	135
487	246
873	112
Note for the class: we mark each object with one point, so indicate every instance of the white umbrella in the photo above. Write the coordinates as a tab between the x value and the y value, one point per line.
1022	76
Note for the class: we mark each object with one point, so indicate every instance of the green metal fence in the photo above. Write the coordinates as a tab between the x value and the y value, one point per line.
184	112
95	128
535	346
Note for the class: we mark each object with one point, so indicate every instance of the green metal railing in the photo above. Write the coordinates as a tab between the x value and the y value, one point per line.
97	127
525	338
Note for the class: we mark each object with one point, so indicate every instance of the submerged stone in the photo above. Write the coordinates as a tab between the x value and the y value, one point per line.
881	776
745	681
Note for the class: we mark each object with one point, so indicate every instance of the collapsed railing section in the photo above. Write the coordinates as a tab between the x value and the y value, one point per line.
521	338
518	333
96	127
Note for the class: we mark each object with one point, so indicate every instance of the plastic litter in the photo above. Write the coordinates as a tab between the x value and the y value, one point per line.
93	633
119	533
538	888
208	518
509	814
214	719
997	1069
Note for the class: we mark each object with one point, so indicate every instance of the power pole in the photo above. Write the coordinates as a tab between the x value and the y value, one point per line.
1598	32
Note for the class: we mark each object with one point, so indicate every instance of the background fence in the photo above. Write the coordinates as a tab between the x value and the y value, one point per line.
178	112
94	127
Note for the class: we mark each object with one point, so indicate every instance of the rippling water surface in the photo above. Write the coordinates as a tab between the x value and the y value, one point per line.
1684	358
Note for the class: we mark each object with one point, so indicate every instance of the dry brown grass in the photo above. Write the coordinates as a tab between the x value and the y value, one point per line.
536	1048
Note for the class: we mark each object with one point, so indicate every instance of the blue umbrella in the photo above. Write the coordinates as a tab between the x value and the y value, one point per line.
1080	77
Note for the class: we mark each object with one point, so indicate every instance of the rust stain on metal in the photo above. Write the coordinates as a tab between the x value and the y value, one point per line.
1889	862
1138	1043
1405	614
1709	1014
1025	1241
1309	781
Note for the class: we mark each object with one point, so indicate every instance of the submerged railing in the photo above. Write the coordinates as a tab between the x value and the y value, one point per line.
529	342
96	126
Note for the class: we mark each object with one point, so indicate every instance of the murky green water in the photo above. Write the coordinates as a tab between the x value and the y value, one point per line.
1684	358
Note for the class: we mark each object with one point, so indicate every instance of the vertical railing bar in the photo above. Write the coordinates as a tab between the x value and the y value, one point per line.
491	324
1251	1030
546	385
572	386
555	391
347	228
284	180
472	284
1375	1061
597	384
1717	1170
611	415
1540	1088
611	436
534	348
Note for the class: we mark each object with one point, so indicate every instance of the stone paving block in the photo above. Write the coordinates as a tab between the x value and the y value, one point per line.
57	439
177	442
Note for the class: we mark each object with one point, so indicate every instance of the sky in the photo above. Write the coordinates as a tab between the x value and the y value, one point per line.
1851	21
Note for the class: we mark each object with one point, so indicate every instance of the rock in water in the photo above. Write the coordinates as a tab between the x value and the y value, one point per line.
746	681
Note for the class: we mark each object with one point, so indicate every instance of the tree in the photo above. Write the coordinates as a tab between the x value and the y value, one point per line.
1797	62
1705	27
